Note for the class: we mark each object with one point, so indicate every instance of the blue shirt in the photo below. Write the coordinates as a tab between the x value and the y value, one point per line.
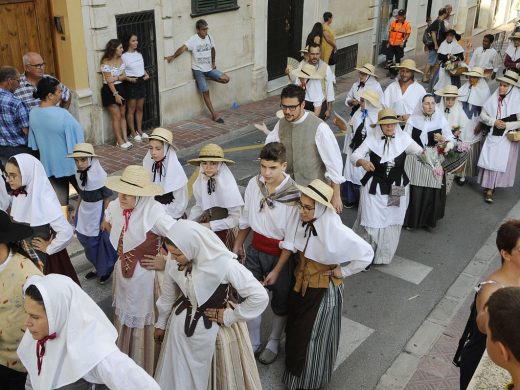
54	132
13	117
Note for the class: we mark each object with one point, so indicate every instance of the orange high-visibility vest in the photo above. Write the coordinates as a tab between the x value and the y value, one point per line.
398	31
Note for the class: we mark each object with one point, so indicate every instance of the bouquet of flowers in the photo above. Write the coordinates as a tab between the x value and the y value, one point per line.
455	155
455	66
432	158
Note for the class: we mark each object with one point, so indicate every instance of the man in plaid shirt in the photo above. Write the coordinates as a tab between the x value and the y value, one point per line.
34	72
14	116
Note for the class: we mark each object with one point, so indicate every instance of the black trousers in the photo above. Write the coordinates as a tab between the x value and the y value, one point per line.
11	379
394	51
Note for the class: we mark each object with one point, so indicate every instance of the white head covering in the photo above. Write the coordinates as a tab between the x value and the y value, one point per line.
476	95
96	176
143	218
209	256
456	116
40	206
173	176
513	52
510	104
450	48
420	121
334	243
84	335
226	193
395	147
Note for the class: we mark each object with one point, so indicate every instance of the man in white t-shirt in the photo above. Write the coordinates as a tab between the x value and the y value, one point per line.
203	66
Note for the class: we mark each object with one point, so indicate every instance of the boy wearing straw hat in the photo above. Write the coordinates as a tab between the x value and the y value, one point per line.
512	57
367	80
404	93
312	149
218	201
270	212
94	198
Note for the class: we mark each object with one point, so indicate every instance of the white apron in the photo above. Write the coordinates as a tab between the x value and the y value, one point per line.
495	153
89	218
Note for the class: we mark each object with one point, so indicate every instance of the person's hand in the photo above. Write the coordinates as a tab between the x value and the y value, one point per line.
327	114
40	244
387	45
110	78
469	45
500	124
72	215
158	335
287	71
271	278
239	251
337	203
133	80
404	118
105	226
438	137
341	125
354	102
146	77
215	315
169	59
213	66
367	165
436	48
263	128
119	100
151	262
335	272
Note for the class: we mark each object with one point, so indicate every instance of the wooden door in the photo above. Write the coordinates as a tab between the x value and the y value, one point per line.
284	34
26	26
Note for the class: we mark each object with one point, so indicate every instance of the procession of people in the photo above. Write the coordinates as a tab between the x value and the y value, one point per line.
190	290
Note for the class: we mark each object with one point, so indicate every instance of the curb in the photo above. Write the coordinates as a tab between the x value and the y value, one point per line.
404	366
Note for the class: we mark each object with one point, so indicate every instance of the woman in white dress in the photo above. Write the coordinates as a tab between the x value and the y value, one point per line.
218	202
366	115
499	155
207	345
473	94
161	161
449	48
136	223
385	190
69	343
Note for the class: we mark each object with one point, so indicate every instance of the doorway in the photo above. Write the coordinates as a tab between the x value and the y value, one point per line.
142	24
284	34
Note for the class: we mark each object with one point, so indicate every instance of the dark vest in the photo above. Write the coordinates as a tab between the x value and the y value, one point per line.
396	175
304	163
416	136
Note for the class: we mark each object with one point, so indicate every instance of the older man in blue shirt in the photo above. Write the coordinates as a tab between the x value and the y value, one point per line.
14	116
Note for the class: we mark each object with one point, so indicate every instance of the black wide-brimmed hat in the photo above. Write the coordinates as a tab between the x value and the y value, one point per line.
12	231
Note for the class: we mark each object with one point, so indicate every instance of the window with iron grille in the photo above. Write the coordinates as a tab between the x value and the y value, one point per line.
346	59
205	7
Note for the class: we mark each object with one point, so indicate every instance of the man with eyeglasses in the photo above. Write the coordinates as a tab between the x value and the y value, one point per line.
312	149
14	116
34	71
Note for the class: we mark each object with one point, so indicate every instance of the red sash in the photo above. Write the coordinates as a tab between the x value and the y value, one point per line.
266	244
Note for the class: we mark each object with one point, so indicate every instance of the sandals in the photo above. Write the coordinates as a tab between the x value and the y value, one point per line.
488	196
218	120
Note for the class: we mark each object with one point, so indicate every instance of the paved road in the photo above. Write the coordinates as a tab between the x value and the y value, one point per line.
383	307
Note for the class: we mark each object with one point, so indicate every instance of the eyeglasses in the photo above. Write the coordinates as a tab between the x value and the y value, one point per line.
290	108
303	207
39	66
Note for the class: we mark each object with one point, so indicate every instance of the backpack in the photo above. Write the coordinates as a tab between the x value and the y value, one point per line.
427	38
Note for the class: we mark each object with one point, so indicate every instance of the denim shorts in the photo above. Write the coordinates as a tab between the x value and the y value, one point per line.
432	57
200	78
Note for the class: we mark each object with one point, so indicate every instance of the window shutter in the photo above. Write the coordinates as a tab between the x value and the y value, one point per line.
202	7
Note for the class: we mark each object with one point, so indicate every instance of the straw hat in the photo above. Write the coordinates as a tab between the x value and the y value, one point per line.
386	116
319	191
515	35
82	150
308	71
448	91
163	135
368	69
210	152
372	96
509	77
408	64
305	49
475	72
12	231
135	181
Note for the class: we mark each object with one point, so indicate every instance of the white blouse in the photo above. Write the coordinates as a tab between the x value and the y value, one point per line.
134	64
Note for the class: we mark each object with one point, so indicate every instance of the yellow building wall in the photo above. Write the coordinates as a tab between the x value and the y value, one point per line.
70	49
350	16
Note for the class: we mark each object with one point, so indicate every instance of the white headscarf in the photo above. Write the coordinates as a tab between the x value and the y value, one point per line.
357	119
510	104
209	256
40	206
173	176
84	335
450	48
226	193
395	146
420	121
456	116
143	218
96	176
334	243
513	52
476	95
